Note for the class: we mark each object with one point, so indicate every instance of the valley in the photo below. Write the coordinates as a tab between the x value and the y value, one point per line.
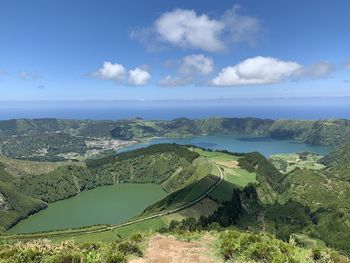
181	185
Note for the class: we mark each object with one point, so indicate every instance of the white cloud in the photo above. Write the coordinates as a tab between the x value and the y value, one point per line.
257	70
138	76
170	81
187	29
184	28
193	64
190	69
117	72
318	70
111	71
28	75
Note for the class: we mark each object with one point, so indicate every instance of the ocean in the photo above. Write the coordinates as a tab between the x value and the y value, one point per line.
165	110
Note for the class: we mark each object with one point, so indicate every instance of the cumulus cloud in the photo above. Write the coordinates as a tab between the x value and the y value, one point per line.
111	71
186	29
118	73
28	75
257	70
197	64
138	76
318	70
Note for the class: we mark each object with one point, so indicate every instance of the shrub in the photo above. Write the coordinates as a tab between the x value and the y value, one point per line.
67	259
316	254
238	246
129	248
137	238
116	258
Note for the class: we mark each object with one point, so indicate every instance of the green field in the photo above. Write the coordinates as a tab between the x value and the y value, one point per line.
111	235
234	176
289	161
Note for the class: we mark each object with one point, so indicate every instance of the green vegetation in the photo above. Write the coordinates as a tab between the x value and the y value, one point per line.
44	251
59	140
286	163
182	196
162	164
233	245
15	206
250	247
300	197
265	171
315	203
339	162
324	132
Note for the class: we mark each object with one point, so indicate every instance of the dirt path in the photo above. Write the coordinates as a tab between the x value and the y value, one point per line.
169	250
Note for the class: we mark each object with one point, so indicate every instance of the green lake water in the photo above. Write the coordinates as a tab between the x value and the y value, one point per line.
118	203
103	205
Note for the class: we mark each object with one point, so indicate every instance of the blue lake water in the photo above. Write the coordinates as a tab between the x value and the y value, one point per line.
236	143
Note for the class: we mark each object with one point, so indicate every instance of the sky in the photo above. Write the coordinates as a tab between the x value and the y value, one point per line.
160	50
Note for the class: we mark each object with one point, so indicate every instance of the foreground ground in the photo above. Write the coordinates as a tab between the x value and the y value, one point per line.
167	249
177	246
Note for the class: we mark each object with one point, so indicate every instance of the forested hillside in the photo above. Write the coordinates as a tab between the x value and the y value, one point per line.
59	140
311	206
314	203
172	166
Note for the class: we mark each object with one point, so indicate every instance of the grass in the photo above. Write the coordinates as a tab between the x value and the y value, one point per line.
308	242
239	177
216	156
287	162
234	175
223	192
111	235
205	207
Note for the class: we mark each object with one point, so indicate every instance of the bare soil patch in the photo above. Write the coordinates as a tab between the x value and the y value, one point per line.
163	249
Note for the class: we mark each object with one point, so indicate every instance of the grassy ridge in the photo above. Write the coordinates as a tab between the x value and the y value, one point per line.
161	164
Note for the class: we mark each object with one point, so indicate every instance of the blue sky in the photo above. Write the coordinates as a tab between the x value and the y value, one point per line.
110	50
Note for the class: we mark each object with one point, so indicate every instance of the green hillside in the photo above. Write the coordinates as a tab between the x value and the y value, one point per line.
172	166
59	140
302	203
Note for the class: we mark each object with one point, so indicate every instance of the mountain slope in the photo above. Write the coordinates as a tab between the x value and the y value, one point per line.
172	166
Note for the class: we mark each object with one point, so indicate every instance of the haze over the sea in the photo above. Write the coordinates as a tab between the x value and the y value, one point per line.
273	108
